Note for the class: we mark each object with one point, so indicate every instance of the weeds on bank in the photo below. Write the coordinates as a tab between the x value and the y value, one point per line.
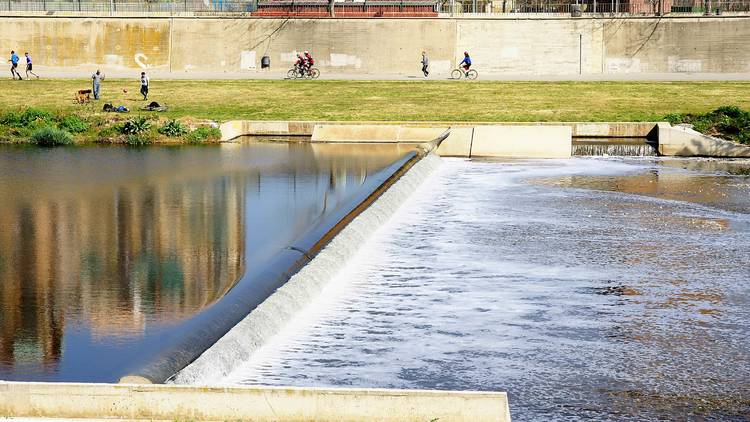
174	129
49	136
203	134
727	122
41	127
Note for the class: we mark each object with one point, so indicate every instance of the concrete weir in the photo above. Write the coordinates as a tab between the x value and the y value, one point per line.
304	269
508	140
170	402
216	321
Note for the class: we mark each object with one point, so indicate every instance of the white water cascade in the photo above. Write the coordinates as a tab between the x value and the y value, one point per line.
270	317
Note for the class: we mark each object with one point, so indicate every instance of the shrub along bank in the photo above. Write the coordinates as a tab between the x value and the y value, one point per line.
41	127
727	122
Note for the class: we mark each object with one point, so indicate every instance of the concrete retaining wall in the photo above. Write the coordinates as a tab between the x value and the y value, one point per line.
672	141
375	133
508	141
236	128
385	46
685	142
168	402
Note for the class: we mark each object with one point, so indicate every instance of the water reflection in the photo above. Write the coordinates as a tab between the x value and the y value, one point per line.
713	182
103	249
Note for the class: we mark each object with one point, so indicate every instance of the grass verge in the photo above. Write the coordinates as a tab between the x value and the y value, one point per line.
192	103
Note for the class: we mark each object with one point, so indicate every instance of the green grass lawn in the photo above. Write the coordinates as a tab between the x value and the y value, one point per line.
392	100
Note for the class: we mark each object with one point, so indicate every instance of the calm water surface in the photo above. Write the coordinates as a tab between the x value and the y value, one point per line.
104	251
605	289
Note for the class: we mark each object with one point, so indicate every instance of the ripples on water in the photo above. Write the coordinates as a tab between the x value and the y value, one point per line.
587	288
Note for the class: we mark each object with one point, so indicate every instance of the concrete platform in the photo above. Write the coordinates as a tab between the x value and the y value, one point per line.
508	141
236	128
685	142
369	133
170	402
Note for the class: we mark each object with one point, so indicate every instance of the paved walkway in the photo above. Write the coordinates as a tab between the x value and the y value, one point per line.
262	75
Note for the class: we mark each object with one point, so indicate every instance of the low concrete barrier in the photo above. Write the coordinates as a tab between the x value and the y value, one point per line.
358	133
375	133
170	402
236	128
685	142
611	129
458	143
522	141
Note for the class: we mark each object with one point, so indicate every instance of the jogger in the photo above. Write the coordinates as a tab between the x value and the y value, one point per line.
14	65
29	67
425	64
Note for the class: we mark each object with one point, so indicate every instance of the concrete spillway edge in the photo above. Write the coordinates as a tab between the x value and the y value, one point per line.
182	348
268	319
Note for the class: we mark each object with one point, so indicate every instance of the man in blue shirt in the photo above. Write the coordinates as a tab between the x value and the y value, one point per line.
14	65
466	62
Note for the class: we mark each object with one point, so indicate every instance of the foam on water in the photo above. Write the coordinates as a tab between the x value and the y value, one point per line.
579	302
295	298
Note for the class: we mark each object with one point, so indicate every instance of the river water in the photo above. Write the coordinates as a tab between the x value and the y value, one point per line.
587	288
107	252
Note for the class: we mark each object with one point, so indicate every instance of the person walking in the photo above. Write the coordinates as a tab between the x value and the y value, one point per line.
96	80
29	66
14	65
425	64
144	86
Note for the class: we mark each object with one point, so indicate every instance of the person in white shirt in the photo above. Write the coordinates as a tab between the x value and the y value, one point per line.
144	85
96	81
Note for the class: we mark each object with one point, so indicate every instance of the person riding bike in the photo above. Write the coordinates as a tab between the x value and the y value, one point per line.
309	62
466	62
300	63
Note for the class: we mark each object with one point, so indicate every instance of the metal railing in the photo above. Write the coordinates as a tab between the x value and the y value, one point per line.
381	8
605	7
128	6
367	8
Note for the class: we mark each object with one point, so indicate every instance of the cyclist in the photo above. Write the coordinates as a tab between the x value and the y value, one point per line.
466	62
309	62
300	63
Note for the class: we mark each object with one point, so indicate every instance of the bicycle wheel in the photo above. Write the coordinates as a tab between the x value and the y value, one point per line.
472	74
456	74
314	73
292	74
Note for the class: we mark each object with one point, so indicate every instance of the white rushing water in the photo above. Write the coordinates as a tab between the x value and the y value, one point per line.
300	292
626	299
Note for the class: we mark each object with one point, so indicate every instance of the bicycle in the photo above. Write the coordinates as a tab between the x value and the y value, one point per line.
299	72
468	74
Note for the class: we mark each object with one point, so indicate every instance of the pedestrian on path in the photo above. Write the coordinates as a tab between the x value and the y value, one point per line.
144	86
425	64
29	67
96	80
14	65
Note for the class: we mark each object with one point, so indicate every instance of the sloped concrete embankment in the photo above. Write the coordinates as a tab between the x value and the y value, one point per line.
683	141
